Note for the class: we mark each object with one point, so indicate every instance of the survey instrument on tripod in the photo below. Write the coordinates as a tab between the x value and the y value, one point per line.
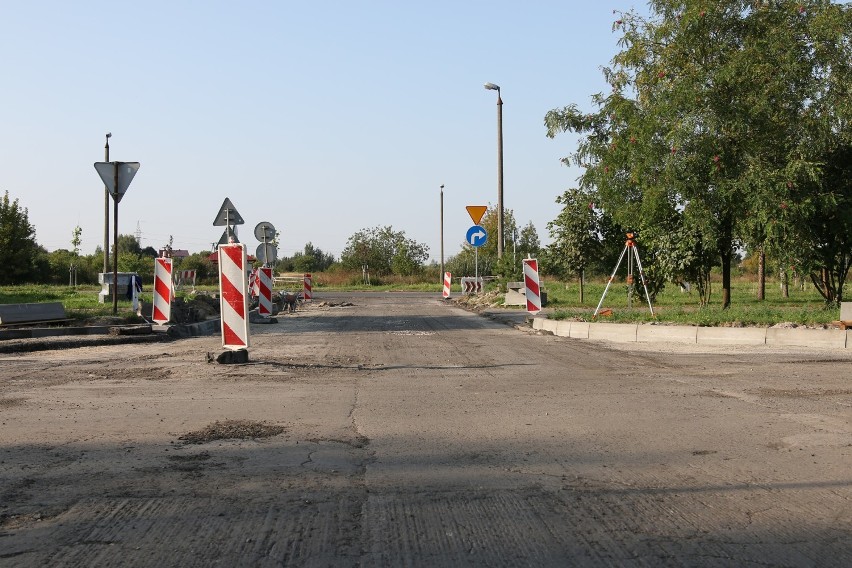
630	245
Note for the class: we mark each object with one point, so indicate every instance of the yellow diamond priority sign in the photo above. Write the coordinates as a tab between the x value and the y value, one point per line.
476	212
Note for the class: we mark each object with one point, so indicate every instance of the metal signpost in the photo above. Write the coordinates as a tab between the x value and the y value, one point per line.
116	177
229	218
476	237
266	252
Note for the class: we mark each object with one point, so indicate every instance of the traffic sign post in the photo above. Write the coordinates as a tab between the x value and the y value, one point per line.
228	217
266	252
476	212
116	177
476	237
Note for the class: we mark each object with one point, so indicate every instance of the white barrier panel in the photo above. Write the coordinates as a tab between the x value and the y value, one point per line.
264	288
531	284
233	291
307	292
162	291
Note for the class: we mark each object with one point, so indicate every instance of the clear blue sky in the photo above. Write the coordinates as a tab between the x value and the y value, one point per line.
321	118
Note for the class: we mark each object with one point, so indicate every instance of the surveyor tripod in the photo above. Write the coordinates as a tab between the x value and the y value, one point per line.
630	245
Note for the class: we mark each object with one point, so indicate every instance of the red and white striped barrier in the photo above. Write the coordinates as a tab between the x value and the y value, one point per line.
233	291
307	294
448	281
253	289
162	291
471	285
264	289
531	284
183	277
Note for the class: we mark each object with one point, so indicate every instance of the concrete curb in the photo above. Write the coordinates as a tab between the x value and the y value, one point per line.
688	335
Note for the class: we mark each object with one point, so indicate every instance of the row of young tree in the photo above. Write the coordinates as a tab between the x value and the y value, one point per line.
726	127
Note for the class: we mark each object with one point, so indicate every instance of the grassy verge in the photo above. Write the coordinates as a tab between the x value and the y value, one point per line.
802	307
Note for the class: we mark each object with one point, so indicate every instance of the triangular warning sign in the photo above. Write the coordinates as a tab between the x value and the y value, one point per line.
227	215
476	212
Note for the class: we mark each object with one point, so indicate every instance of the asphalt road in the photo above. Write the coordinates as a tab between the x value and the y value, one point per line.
403	431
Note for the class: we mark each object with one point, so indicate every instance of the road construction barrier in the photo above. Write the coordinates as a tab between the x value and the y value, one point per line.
471	285
162	291
307	293
448	281
264	288
233	293
253	289
184	277
531	285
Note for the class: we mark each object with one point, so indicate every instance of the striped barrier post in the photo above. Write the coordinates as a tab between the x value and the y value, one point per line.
448	281
252	283
162	291
264	287
307	293
233	293
183	277
531	285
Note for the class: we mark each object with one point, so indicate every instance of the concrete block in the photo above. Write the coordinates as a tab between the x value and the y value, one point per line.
550	325
515	294
848	339
579	330
618	332
563	328
798	337
31	313
538	323
667	334
846	311
731	335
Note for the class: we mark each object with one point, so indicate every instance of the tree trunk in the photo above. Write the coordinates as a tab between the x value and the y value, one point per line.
761	275
580	280
785	285
726	279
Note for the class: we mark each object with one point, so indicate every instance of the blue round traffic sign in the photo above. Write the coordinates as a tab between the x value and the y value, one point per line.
476	236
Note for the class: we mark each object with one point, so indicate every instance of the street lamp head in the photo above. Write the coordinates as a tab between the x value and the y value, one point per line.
109	134
492	87
442	187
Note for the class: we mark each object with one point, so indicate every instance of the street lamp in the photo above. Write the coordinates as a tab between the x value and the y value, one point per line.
106	209
493	87
442	233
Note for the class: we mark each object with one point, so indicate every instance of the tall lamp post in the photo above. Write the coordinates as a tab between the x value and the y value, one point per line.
442	234
106	209
493	87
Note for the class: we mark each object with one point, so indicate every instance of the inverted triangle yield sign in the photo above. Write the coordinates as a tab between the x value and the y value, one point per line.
476	212
126	171
227	215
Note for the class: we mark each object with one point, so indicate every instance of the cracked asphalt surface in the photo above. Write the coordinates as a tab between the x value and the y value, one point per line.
404	431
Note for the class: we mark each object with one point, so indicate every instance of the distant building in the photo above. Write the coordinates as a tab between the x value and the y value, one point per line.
174	253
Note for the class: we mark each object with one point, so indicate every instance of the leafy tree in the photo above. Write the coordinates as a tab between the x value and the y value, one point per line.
19	251
528	244
706	117
204	268
128	244
384	251
313	259
576	235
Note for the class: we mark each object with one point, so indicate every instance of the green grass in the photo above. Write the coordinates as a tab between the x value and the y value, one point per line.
803	307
